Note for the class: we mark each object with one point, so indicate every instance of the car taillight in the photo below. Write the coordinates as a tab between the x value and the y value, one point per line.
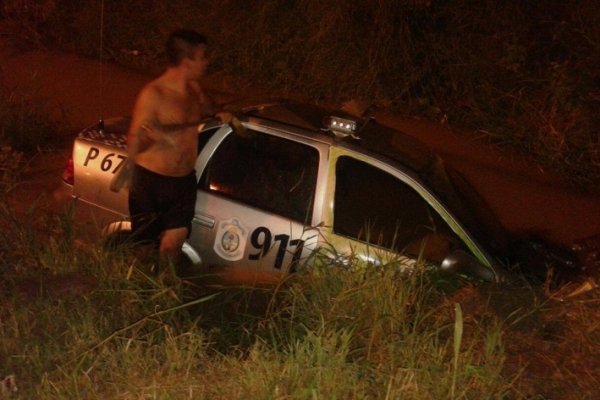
68	175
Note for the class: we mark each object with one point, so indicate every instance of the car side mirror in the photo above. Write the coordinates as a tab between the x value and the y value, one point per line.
459	261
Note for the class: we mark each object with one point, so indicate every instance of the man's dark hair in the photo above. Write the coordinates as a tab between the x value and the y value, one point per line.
181	44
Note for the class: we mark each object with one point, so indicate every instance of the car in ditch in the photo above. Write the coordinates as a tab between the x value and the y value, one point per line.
302	182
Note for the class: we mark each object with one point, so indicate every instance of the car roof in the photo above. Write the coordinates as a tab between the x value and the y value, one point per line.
372	136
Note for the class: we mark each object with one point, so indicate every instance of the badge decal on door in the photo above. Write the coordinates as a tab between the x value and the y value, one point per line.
230	240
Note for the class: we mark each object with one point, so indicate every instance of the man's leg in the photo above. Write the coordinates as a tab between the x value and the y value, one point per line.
171	241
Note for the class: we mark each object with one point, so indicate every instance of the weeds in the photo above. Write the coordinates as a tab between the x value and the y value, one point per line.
11	164
25	126
86	322
25	122
83	321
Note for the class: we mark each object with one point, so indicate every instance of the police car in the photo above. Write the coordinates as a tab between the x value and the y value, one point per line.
305	182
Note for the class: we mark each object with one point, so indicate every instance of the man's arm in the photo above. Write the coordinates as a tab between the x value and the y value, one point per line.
171	128
145	130
136	137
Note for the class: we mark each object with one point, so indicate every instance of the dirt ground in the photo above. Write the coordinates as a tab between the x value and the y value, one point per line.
563	360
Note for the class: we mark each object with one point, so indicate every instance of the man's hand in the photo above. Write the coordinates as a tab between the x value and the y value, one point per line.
224	116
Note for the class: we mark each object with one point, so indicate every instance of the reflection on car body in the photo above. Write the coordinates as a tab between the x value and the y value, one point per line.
304	181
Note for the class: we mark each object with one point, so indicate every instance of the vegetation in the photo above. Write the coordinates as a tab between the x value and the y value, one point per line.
78	321
26	126
524	74
25	122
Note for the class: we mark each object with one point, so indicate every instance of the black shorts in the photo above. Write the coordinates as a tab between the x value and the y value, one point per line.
158	202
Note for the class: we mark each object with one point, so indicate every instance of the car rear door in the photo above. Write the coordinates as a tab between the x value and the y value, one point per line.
256	202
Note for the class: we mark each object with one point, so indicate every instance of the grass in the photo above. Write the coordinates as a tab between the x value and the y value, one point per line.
80	321
25	122
26	127
11	164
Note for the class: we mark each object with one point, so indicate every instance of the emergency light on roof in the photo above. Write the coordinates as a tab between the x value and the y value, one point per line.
340	127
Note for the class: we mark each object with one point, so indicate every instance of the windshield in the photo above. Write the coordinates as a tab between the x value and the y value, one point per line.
455	192
468	206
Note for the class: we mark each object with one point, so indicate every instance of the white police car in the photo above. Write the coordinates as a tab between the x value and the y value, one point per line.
304	182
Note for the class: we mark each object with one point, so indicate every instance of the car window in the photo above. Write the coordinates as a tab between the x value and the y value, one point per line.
268	172
373	206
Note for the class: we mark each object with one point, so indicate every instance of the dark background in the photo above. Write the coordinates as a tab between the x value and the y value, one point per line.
525	74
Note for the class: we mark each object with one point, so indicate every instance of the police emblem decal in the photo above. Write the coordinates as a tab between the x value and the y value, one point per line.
230	240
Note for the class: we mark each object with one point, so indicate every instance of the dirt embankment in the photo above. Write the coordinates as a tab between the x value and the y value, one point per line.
525	198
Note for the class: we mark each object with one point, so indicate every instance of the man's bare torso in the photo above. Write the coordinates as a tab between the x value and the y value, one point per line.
166	105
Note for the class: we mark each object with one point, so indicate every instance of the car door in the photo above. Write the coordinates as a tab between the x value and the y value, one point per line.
379	213
255	202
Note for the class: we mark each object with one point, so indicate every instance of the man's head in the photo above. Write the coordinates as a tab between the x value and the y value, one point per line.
182	44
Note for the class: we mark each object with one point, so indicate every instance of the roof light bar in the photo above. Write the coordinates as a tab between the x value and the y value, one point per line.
340	126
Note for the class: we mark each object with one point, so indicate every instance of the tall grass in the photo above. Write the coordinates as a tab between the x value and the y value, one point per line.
25	121
11	164
80	321
26	126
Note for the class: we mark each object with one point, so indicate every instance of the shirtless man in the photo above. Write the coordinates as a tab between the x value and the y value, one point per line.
163	143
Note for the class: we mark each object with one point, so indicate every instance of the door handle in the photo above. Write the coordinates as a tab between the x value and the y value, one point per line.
204	220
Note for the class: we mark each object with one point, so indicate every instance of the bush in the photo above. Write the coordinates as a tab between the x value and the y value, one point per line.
25	122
